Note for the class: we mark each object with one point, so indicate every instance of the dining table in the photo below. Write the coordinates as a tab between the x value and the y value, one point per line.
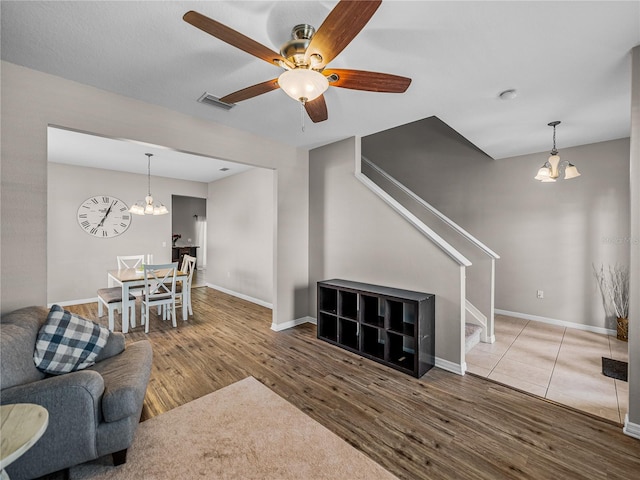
133	277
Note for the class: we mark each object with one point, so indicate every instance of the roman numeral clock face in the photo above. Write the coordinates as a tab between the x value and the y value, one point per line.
104	216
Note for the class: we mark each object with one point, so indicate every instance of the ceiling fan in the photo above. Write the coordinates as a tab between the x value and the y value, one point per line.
305	57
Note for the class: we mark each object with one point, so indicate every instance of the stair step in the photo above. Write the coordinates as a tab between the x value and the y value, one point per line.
471	336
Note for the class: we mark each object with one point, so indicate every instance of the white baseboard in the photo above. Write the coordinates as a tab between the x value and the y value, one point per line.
293	323
631	429
456	368
561	323
241	295
74	302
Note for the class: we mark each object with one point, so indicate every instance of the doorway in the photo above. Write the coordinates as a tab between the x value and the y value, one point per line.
189	230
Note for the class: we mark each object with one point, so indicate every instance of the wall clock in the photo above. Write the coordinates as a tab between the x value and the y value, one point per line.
104	216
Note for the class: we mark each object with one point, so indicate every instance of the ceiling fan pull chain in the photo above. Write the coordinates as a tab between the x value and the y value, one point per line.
302	115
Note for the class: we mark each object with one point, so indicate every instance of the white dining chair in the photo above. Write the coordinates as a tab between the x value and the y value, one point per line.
183	288
159	290
130	261
111	298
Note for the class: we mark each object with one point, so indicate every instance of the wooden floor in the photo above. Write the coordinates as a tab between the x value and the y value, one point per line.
442	426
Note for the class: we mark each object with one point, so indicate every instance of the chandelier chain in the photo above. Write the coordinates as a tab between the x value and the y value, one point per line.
149	155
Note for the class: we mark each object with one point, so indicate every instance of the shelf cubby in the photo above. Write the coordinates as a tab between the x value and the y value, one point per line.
372	310
328	300
401	350
388	325
328	326
402	317
348	302
348	333
373	340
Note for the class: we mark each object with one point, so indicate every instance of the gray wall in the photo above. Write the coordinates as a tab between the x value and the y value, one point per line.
77	262
548	235
31	101
354	235
240	236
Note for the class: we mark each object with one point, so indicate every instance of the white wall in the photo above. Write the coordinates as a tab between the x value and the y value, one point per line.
76	261
354	235
240	223
547	235
31	101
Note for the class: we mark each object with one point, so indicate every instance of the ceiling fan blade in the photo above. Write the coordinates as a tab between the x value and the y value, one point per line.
233	37
369	81
252	91
340	27
317	109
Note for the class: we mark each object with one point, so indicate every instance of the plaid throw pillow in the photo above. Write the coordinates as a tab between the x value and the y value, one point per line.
67	343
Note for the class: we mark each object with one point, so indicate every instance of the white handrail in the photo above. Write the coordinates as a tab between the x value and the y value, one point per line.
454	226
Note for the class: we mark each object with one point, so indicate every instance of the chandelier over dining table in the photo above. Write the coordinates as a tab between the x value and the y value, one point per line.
147	207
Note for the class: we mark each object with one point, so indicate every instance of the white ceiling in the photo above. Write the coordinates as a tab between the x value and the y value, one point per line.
568	60
77	148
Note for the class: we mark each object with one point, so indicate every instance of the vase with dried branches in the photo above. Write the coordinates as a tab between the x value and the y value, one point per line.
614	286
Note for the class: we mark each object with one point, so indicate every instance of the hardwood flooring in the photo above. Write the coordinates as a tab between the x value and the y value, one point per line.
442	426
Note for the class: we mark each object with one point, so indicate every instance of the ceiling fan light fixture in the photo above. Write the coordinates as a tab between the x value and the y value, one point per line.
302	84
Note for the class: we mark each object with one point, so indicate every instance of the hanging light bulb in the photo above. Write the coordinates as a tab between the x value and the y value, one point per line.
148	207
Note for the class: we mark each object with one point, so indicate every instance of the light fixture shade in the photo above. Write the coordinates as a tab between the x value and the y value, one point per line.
548	180
160	209
302	84
544	172
554	161
137	209
571	172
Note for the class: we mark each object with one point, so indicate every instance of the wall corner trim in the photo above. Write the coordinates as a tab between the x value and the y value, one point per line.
631	429
292	323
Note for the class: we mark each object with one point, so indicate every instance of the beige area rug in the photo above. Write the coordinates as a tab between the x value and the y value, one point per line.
243	431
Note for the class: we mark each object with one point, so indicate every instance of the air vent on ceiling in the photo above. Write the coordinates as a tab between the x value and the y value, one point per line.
224	169
215	101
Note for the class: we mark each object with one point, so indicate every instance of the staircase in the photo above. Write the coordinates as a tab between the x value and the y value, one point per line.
471	336
474	259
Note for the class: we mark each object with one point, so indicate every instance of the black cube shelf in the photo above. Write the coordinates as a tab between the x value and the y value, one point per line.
392	326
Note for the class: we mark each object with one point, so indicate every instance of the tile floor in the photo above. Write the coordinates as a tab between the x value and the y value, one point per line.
557	363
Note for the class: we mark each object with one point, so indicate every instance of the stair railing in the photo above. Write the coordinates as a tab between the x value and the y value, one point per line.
480	277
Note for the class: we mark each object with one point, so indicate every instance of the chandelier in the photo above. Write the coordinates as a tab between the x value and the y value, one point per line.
550	171
147	207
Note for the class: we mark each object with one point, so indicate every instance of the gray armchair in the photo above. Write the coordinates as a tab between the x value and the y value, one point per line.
92	412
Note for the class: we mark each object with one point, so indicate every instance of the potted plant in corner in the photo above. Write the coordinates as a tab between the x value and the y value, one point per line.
614	286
